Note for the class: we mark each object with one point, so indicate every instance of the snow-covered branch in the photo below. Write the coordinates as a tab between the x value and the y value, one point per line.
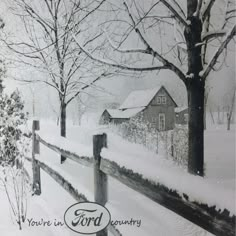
116	48
213	34
87	86
123	67
207	8
149	50
175	12
224	44
166	66
179	8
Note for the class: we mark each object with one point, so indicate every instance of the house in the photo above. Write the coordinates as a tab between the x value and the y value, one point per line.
156	106
181	115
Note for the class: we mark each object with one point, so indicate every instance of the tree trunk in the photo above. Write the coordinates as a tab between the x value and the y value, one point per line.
63	125
196	91
212	117
196	128
228	121
218	113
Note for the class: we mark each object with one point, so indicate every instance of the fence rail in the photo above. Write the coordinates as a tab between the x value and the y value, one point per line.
218	222
83	160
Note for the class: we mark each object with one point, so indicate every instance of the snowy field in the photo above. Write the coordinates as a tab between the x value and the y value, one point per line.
124	203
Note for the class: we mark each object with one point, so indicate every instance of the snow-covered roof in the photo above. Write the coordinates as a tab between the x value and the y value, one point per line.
116	113
179	109
139	98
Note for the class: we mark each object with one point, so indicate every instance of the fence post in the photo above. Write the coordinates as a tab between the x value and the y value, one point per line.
35	166
100	179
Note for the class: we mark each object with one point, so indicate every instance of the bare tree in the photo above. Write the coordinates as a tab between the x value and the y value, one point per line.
81	109
49	47
16	186
230	108
184	37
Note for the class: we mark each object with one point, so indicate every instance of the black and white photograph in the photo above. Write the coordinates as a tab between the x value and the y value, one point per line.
117	117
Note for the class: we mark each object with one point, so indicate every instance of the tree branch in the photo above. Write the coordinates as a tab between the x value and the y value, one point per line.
207	9
168	66
199	6
224	44
213	34
149	50
176	14
86	86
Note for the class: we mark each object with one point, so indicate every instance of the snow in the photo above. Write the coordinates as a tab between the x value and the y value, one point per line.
65	144
139	98
220	152
179	109
157	168
115	113
201	73
37	208
188	22
123	202
159	171
190	76
71	179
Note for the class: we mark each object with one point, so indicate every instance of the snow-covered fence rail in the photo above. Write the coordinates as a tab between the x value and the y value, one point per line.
83	160
214	220
61	180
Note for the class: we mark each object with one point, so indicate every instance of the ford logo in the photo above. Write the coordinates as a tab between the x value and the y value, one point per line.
87	217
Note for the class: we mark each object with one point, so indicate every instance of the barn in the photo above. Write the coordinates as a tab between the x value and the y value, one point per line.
156	106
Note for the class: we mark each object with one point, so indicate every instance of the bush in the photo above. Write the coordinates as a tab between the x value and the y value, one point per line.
136	130
176	144
173	143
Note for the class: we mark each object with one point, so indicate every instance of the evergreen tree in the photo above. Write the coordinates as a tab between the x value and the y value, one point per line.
12	118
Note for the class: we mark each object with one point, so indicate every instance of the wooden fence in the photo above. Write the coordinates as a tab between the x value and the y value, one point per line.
215	221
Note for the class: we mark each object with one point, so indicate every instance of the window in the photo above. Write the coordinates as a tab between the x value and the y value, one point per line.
162	121
158	100
154	119
163	100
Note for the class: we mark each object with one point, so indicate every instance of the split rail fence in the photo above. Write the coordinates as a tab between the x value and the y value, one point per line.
216	221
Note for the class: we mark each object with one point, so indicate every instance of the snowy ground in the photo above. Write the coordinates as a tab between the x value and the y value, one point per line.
123	203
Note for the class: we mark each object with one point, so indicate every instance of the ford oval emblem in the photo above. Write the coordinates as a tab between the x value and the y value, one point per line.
87	217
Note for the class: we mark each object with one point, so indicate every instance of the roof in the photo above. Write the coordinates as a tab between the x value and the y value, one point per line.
139	98
179	109
119	114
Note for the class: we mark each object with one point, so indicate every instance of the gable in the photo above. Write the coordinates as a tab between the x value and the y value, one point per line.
163	93
105	115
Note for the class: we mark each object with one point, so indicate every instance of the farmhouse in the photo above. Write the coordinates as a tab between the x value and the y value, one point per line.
156	107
